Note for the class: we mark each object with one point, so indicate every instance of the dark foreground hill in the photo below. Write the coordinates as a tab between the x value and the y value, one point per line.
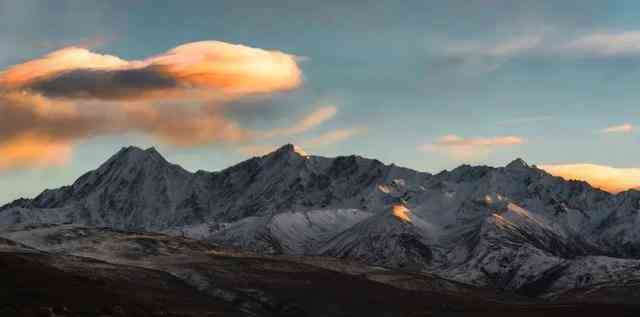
144	274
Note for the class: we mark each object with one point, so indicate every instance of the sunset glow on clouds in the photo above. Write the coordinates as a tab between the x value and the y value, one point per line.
33	151
35	120
213	67
178	97
319	116
624	128
467	148
607	178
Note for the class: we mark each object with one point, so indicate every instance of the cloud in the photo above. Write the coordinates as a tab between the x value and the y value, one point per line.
178	97
307	123
107	84
607	178
208	67
481	57
605	44
468	148
331	137
33	151
33	125
624	128
61	123
497	49
60	61
181	126
25	114
476	56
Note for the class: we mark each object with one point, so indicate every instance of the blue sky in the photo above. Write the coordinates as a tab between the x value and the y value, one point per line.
423	84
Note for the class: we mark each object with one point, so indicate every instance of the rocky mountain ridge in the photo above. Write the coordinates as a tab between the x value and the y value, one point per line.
514	227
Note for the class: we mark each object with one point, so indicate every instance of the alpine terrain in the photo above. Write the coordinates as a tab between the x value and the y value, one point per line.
514	236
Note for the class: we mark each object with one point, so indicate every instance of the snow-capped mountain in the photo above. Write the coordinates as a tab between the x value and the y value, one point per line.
139	189
514	227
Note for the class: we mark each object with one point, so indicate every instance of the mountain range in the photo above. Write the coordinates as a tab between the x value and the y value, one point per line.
514	228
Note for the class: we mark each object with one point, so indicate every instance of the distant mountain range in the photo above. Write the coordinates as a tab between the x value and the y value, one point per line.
513	228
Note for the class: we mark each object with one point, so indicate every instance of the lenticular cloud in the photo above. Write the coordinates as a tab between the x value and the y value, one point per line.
178	97
210	67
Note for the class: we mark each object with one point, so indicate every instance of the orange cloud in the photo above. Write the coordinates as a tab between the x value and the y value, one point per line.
41	121
607	178
313	120
33	151
624	128
209	67
57	62
49	103
233	69
307	123
179	125
332	137
467	148
25	114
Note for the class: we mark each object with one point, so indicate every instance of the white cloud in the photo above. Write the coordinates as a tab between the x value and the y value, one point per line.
485	56
506	48
605	44
477	57
623	128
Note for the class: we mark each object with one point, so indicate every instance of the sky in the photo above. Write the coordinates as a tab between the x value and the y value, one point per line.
424	84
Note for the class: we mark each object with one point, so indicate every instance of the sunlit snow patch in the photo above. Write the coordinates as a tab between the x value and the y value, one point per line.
299	150
401	212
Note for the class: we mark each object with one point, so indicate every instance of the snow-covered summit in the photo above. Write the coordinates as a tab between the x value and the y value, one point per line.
517	163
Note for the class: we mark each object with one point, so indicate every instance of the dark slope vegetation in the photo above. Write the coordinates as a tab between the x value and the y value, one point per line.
33	286
221	283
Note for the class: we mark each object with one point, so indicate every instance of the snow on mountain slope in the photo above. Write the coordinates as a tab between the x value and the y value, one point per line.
137	189
238	278
395	238
514	227
293	233
134	189
285	181
498	256
619	232
591	271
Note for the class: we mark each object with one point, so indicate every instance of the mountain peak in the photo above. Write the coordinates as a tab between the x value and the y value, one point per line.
290	149
133	154
518	163
152	150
